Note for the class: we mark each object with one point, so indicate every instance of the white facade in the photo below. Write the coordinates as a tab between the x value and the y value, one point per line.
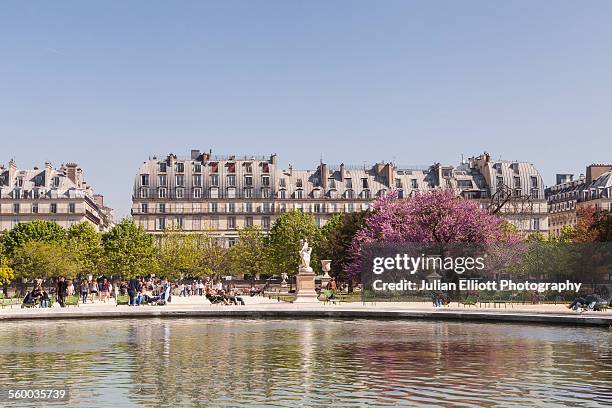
58	195
224	193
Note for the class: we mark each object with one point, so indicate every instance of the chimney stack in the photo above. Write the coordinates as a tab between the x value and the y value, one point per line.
389	171
195	154
323	174
12	168
595	170
273	159
71	172
342	173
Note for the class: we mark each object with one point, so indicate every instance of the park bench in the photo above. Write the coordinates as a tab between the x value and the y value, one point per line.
9	302
329	296
469	301
72	301
122	300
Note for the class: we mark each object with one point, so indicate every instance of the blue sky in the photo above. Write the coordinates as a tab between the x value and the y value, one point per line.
107	84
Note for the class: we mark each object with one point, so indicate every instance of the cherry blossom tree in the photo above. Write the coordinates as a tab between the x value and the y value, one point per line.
438	216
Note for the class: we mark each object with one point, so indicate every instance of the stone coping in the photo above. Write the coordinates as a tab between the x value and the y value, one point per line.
305	310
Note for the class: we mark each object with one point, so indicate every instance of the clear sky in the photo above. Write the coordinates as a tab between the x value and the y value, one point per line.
107	84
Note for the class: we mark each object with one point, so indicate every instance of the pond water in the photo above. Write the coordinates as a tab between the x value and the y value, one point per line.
229	362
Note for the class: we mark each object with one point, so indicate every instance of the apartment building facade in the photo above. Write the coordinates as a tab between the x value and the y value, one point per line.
221	194
568	195
58	195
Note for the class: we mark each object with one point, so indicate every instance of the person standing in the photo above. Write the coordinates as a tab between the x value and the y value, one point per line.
62	291
93	289
133	290
104	290
84	290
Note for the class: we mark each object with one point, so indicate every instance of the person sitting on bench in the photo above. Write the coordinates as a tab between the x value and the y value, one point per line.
30	298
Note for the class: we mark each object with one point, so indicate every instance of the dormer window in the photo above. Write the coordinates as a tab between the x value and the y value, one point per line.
248	167
332	183
282	182
56	182
180	167
197	168
162	167
231	167
364	183
348	182
298	183
144	179
265	181
214	167
398	183
299	194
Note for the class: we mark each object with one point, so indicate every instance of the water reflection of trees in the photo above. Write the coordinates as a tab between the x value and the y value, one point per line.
217	362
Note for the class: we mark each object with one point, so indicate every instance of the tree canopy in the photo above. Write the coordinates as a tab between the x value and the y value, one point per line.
129	251
438	216
250	254
44	260
36	230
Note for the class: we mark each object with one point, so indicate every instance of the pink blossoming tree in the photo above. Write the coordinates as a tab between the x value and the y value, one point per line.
438	216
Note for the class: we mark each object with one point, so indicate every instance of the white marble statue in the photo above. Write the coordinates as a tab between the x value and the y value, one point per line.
305	255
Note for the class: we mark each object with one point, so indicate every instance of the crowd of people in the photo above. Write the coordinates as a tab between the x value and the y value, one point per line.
139	291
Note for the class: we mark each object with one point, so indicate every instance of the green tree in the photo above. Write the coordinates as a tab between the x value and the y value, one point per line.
179	255
7	274
85	244
214	257
44	260
129	251
285	241
337	236
250	254
37	230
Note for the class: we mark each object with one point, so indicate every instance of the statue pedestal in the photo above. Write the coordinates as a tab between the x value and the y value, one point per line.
305	286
